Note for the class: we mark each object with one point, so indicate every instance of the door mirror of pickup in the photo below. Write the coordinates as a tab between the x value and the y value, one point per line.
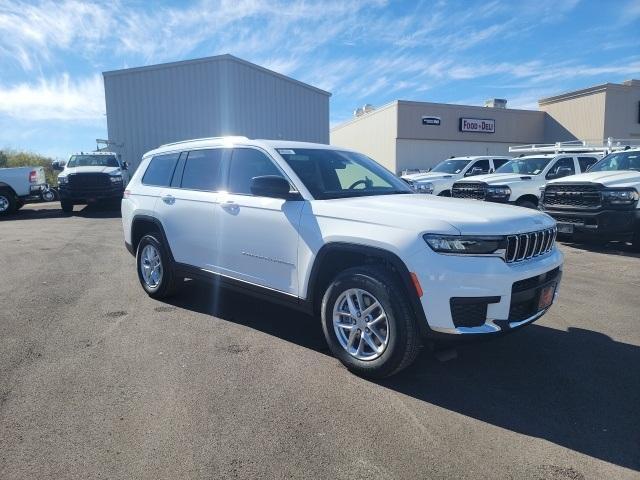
272	186
57	166
474	171
560	172
125	166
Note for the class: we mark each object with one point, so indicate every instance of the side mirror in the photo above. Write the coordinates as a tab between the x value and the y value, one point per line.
273	186
57	166
561	172
125	166
473	171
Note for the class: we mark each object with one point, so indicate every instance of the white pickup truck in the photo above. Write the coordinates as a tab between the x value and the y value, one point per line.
519	181
440	179
602	204
20	185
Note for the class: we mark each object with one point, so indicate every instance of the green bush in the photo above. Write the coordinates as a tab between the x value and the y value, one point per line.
15	158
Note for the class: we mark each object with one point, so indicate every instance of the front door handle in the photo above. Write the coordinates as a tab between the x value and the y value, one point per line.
230	206
169	199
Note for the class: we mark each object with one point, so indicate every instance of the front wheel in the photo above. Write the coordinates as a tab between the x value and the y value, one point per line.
155	269
67	207
368	323
7	202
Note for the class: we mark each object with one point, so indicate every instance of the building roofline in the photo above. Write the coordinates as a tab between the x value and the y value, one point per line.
215	58
366	115
603	87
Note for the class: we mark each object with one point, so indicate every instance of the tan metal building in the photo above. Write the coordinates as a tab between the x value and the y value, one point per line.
408	135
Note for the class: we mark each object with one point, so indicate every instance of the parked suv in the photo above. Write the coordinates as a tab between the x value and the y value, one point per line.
601	204
92	177
440	179
333	233
519	181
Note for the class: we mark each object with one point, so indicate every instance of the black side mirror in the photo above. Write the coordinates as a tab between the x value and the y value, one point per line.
473	171
125	166
57	166
561	172
272	186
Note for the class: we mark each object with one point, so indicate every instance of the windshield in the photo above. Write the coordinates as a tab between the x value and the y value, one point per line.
618	161
92	161
525	166
451	166
337	174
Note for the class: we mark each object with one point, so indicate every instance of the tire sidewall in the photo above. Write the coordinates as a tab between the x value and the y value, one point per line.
10	200
162	289
364	280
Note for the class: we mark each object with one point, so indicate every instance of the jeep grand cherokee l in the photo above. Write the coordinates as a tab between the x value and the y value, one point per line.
331	232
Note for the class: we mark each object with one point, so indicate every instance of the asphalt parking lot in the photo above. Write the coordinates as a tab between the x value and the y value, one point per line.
99	381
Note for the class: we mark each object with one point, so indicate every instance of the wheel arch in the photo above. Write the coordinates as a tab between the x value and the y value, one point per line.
337	256
6	186
529	197
144	224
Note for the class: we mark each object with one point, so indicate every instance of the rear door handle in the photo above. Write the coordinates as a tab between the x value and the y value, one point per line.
169	199
230	206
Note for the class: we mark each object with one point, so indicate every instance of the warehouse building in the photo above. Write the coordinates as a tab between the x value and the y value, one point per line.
215	96
405	135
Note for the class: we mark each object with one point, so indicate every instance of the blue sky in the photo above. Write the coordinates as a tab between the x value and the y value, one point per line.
52	53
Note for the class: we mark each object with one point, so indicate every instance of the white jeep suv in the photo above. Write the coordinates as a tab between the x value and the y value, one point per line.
520	180
331	232
440	179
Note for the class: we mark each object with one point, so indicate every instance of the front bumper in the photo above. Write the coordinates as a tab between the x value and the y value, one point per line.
447	277
90	195
604	224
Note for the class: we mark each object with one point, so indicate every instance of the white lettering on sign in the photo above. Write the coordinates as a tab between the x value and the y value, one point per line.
479	125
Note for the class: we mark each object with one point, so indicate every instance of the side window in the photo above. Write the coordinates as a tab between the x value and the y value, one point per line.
480	164
562	168
160	170
586	162
202	170
498	162
247	163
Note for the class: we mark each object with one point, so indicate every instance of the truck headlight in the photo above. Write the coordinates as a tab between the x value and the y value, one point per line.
461	244
498	191
63	180
620	196
425	187
116	178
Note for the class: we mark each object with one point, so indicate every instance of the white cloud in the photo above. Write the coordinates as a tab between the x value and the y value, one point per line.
58	99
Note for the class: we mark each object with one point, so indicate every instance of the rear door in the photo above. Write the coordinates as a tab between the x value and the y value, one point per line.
258	235
187	207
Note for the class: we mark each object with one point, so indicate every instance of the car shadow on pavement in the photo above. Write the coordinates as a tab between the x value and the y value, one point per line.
578	388
52	210
622	249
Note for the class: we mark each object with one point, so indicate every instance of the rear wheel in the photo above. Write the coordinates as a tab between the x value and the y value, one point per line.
7	202
368	323
155	269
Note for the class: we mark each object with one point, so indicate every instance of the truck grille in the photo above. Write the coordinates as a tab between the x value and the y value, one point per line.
89	180
475	190
572	195
528	245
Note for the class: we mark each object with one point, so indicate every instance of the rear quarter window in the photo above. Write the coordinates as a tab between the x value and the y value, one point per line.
160	170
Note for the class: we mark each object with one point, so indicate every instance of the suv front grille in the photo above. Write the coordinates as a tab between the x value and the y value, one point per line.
572	195
528	245
475	190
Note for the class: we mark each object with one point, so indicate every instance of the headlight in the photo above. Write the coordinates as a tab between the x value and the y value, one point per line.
426	187
621	196
498	191
116	178
63	180
460	244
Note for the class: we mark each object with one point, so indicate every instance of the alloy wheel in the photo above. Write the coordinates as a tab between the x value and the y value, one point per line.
151	266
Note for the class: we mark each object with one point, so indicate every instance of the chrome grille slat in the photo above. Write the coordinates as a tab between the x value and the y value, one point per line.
525	246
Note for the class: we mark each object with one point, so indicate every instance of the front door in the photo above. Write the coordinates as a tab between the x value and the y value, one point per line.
258	235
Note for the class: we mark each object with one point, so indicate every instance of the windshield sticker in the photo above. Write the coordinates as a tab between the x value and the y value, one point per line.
285	151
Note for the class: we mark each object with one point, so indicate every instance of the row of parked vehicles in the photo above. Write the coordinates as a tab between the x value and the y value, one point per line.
591	191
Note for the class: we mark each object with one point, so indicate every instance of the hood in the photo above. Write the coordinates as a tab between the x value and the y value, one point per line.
502	178
619	178
70	171
432	214
429	177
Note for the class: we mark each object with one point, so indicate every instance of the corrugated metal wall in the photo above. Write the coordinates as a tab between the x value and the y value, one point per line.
151	106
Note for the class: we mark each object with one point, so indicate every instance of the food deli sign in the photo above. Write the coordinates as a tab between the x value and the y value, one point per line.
478	125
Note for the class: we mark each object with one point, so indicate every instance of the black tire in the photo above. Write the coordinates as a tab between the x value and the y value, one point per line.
404	340
168	283
19	205
635	241
527	204
8	202
446	193
67	206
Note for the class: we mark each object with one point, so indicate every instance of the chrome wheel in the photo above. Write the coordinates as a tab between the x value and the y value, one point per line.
361	324
4	204
151	266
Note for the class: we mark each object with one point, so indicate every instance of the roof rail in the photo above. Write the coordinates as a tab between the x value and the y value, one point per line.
577	146
230	137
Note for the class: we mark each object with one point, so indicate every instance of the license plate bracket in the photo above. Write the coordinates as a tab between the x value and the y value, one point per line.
565	227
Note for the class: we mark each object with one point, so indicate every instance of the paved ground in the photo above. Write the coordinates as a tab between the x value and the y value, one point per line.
99	381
